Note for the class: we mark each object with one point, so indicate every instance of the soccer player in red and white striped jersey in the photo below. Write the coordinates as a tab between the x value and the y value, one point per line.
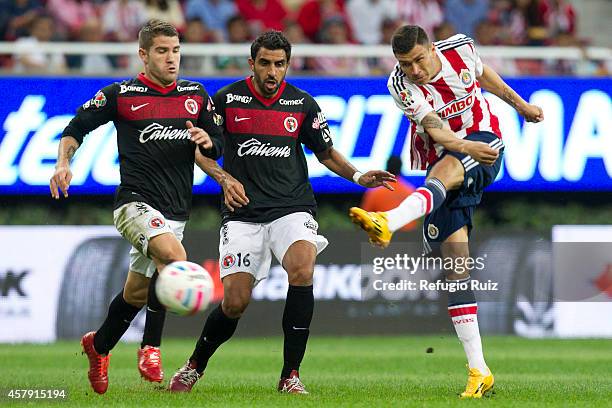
456	137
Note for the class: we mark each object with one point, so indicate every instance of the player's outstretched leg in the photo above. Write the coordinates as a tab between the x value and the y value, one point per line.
149	355
380	226
97	345
219	328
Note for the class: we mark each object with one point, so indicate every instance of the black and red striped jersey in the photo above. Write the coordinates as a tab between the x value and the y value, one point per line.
263	138
156	155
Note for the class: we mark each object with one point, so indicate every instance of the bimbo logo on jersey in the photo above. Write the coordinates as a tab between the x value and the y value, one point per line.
132	88
229	98
254	147
155	131
457	107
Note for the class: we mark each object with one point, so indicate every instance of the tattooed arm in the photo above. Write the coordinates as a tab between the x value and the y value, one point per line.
492	82
62	176
481	152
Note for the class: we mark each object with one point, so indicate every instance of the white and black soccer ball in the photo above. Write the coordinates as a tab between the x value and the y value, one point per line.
184	288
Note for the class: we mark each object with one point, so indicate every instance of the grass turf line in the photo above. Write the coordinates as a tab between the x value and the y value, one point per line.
338	371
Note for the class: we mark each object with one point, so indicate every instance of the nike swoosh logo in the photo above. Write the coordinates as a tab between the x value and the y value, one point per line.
135	108
300	328
237	119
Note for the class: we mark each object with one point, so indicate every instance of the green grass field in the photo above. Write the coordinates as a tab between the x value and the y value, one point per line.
349	371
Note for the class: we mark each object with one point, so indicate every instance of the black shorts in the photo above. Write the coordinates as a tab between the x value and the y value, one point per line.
458	208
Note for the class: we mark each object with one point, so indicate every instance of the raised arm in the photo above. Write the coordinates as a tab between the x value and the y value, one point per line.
492	82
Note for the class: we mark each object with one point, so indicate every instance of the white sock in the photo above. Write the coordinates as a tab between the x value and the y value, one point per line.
465	321
414	206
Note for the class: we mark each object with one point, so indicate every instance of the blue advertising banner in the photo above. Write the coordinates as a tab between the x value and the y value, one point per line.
570	151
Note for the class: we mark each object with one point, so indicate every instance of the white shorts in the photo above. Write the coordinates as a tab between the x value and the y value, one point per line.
247	246
138	222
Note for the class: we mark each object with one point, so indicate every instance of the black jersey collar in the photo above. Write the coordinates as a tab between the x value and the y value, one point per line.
163	89
261	98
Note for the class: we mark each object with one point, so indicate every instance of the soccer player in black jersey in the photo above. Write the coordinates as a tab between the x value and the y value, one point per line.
265	121
160	120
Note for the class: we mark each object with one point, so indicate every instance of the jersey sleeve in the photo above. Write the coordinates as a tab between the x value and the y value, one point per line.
478	67
219	104
409	99
97	111
315	132
210	121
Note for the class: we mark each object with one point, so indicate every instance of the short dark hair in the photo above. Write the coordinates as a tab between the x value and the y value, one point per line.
154	28
407	37
271	40
394	165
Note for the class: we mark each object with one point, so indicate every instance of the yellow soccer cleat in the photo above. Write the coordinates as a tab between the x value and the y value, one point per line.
478	385
374	223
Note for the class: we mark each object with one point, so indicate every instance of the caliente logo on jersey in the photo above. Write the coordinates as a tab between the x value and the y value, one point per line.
155	131
254	147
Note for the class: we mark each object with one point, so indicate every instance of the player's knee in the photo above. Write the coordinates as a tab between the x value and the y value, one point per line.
449	171
173	254
135	296
235	305
301	275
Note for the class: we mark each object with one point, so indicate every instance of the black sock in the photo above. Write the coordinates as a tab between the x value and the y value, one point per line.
296	326
156	316
218	329
120	315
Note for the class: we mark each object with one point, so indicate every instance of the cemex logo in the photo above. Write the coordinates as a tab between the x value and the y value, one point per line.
11	281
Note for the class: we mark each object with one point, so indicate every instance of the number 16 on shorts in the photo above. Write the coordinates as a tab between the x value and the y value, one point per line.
238	260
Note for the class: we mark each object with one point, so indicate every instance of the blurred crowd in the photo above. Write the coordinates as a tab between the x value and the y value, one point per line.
489	22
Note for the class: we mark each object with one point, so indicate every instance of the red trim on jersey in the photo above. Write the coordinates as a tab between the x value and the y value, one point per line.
263	122
462	311
260	97
448	96
494	121
425	150
477	110
163	89
157	107
455	60
477	116
426	93
458	65
428	198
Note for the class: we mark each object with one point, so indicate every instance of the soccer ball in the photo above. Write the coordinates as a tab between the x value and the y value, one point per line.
184	288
